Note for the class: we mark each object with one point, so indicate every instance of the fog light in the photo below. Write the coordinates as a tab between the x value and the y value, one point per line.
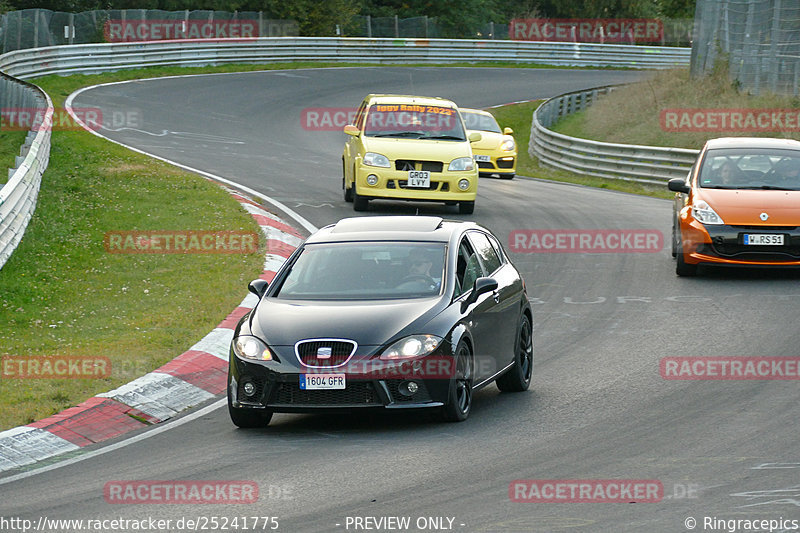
248	388
408	388
463	184
372	179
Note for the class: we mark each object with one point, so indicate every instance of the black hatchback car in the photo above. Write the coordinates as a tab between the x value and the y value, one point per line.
390	312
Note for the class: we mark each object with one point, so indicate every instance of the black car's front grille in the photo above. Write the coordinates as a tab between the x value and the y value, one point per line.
421	395
361	393
408	164
324	352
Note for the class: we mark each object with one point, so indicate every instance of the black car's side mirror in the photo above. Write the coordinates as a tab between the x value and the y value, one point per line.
258	287
678	185
481	286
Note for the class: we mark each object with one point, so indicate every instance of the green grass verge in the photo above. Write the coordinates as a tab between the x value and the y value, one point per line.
518	117
631	114
61	293
10	143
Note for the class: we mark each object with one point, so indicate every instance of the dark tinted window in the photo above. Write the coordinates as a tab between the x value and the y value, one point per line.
365	271
486	252
468	267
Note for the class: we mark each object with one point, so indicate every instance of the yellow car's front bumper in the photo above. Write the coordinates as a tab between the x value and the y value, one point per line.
500	162
392	184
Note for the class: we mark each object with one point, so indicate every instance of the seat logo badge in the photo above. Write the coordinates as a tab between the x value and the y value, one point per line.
324	353
764	216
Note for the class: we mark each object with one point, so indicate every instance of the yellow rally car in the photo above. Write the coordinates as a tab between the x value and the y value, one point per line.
496	152
409	148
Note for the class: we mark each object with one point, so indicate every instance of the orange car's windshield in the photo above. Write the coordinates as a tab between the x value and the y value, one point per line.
757	168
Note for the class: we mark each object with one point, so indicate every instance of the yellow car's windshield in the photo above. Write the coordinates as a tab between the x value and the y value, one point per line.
414	121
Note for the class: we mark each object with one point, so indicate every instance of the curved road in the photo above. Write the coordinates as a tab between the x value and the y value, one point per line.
598	407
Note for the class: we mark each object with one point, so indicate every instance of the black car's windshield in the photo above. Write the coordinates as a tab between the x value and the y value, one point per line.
365	271
414	121
757	168
479	121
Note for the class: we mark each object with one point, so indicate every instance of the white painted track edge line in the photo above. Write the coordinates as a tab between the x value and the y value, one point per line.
157	429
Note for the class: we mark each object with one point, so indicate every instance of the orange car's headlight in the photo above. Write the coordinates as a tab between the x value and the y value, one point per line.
703	213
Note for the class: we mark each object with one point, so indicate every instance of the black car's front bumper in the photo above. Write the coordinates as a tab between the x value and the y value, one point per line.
279	390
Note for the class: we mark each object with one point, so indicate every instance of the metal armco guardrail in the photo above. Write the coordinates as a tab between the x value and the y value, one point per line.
18	195
92	58
648	164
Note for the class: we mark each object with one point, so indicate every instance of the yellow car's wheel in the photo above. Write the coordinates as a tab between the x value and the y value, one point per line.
360	203
348	192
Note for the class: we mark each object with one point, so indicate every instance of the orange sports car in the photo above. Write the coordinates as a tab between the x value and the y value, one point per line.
739	205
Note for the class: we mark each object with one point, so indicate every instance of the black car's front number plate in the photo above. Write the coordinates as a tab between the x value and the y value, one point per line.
322	381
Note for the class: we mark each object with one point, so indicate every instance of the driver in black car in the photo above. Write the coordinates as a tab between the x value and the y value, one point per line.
418	269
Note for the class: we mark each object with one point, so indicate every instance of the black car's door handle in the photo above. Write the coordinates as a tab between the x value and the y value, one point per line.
496	296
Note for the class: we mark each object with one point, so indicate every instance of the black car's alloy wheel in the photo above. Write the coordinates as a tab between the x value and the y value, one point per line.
518	378
460	398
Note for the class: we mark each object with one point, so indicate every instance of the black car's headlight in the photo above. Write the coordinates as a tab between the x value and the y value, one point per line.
412	346
249	347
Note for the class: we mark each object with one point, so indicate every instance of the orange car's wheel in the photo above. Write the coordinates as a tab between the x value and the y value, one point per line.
682	268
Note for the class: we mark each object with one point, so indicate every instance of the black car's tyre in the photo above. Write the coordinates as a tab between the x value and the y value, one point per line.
249	418
360	203
466	208
459	401
518	377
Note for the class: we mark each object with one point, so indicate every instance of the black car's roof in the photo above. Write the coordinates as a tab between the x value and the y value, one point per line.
391	228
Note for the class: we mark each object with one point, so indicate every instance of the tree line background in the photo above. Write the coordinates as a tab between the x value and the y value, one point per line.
456	19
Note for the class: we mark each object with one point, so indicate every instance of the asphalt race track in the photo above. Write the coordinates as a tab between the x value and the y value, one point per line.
598	407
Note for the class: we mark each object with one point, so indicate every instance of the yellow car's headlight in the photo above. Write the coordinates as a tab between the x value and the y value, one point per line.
376	160
462	164
508	145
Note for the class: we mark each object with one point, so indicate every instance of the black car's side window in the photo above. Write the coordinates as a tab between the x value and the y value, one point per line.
491	261
468	267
